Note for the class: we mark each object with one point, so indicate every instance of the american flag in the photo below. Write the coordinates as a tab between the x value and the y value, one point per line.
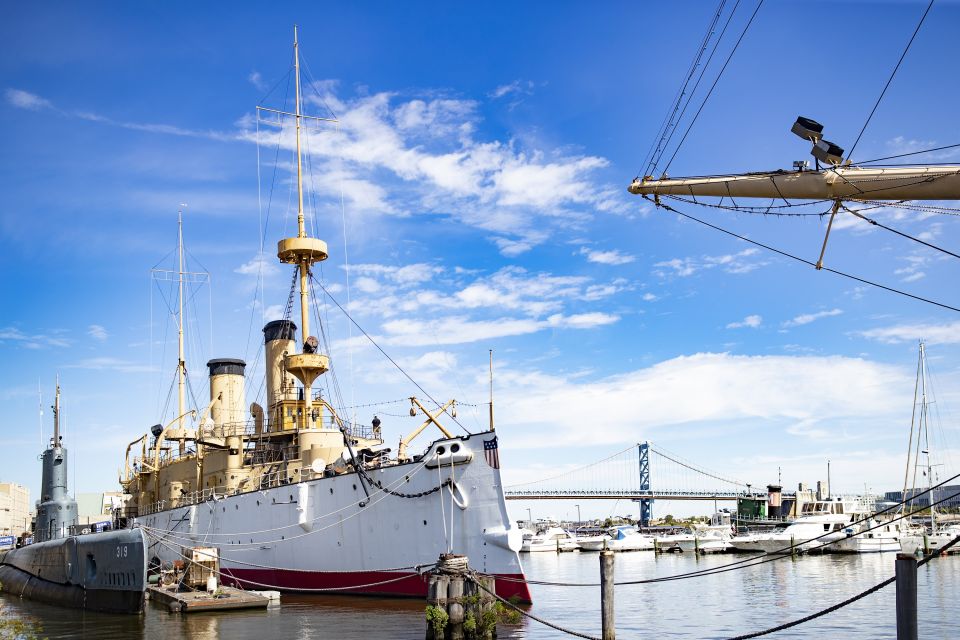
491	453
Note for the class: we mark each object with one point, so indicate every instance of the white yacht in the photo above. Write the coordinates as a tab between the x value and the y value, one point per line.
711	538
625	538
923	542
883	536
817	518
553	539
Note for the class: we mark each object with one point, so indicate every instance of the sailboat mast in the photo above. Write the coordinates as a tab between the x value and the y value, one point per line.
924	426
181	361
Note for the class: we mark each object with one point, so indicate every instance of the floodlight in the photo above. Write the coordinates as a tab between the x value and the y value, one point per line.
827	152
808	129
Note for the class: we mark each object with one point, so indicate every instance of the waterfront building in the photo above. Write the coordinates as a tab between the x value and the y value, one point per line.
14	509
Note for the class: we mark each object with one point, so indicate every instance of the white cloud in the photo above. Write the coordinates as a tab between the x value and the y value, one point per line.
111	364
649	297
735	263
752	321
612	257
33	341
807	318
257	81
97	332
948	333
26	100
796	395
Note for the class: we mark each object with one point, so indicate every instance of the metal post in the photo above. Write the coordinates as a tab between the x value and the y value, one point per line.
606	595
906	597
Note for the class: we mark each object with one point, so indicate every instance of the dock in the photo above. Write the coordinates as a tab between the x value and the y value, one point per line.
224	599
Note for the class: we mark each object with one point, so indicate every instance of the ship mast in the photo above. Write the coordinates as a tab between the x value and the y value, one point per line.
181	361
303	251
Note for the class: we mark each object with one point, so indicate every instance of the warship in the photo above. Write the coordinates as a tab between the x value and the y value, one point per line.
104	571
298	498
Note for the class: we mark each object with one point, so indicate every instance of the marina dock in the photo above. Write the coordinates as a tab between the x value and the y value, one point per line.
224	599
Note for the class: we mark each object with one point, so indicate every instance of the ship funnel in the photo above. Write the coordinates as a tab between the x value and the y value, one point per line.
278	338
227	384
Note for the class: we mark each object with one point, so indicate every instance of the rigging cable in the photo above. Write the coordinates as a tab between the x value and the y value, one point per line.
658	146
807	262
899	233
714	85
912	153
890	79
387	356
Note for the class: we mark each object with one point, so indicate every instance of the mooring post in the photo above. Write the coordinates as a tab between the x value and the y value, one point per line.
906	597
448	596
606	595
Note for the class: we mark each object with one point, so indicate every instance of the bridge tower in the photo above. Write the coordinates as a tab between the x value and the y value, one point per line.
646	504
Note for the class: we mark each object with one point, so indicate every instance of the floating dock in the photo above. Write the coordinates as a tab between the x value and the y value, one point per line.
225	599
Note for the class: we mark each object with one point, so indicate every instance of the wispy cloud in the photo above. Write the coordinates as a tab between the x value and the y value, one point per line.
752	321
735	263
948	333
97	332
257	81
14	335
807	318
26	100
612	257
111	364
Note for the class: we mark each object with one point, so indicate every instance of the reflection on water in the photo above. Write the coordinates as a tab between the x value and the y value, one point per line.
716	606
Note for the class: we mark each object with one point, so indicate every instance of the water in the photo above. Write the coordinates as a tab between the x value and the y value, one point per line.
717	606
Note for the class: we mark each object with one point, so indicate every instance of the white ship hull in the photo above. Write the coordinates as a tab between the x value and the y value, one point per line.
315	535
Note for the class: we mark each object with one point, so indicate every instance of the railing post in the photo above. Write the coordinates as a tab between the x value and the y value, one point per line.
606	595
906	597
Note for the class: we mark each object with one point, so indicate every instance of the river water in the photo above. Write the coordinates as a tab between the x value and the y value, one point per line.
714	606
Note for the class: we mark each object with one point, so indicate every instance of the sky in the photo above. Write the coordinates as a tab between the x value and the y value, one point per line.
473	197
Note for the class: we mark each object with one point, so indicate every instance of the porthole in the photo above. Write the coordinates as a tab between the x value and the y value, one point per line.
441	451
331	490
236	506
424	523
354	487
454	448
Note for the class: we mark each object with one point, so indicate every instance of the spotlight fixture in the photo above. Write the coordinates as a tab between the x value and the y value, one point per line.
827	152
808	129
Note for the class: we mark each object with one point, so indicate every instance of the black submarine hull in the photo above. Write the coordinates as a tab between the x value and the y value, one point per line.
98	571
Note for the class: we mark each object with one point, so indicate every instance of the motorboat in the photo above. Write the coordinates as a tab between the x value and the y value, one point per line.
553	539
818	519
711	538
625	538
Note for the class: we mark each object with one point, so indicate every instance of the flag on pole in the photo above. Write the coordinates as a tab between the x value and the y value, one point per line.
491	453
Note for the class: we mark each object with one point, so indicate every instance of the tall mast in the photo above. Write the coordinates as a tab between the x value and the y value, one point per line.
181	361
303	251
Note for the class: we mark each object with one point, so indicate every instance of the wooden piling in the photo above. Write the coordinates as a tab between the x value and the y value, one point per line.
606	595
906	597
453	590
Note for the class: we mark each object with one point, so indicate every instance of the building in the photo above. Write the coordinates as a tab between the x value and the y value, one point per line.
14	509
98	507
949	494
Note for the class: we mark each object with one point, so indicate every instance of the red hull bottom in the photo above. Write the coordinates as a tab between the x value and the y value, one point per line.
394	584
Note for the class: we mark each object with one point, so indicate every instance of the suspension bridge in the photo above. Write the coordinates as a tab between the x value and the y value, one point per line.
641	473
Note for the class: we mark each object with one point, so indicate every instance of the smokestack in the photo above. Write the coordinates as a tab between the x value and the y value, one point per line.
278	338
774	500
227	383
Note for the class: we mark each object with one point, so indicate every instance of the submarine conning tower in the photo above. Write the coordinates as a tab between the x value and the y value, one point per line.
56	510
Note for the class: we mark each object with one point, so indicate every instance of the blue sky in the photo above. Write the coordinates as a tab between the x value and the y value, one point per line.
483	156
